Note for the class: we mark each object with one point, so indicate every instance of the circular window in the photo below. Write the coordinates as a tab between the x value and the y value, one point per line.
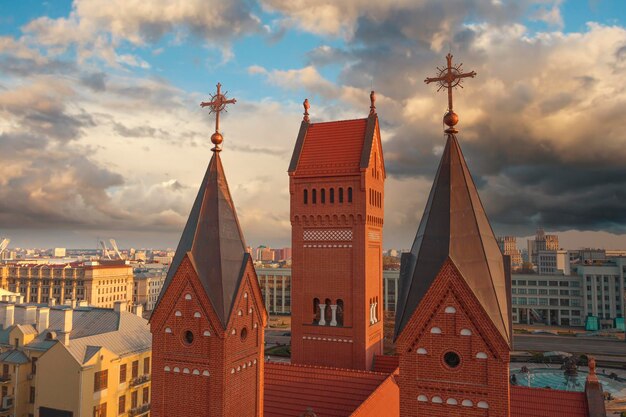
451	359
244	334
188	337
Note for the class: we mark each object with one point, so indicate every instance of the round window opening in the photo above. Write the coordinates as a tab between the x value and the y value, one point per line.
452	359
244	334
188	337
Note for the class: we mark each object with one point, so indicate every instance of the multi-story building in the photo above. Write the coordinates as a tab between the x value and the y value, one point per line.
275	284
603	285
148	281
541	242
555	300
101	356
508	246
99	283
553	262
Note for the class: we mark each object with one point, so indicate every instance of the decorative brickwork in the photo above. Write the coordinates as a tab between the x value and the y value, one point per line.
336	185
453	360
215	371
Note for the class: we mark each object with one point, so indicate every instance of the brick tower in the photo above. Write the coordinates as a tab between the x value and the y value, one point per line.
207	327
453	328
336	183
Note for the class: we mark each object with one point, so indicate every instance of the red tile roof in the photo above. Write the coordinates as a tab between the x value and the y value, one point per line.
541	402
386	363
330	392
335	146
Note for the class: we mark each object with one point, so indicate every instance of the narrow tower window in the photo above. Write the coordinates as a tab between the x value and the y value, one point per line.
349	194
332	195
328	313
340	312
323	196
340	194
314	196
316	310
306	196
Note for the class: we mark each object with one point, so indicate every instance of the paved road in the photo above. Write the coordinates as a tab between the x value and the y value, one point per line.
548	343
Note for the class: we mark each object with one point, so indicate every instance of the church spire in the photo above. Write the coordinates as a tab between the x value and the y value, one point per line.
212	236
454	226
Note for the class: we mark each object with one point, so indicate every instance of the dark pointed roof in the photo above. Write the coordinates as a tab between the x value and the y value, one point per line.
455	226
213	239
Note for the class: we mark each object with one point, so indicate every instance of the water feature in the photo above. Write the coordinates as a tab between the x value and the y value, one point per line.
557	379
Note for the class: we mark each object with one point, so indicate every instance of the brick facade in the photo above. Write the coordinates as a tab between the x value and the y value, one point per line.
220	373
450	319
337	219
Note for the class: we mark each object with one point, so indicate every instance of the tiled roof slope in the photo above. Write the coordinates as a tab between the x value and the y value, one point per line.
339	147
330	392
213	238
541	402
386	363
455	226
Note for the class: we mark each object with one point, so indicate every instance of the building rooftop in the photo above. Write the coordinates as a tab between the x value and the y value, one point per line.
330	392
541	402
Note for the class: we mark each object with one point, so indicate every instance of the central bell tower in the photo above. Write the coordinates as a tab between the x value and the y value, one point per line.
336	183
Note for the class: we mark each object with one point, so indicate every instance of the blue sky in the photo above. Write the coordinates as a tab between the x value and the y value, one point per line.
99	110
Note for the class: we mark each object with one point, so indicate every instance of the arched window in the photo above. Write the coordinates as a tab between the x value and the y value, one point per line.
316	310
328	313
340	312
349	194
340	194
306	196
332	195
323	196
314	196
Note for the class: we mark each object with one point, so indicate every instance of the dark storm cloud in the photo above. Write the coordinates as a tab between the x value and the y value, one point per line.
531	171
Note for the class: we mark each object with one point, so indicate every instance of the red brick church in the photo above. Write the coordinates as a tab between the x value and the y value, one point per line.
453	329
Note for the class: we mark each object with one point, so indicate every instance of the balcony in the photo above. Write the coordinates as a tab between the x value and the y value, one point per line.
140	380
139	411
4	378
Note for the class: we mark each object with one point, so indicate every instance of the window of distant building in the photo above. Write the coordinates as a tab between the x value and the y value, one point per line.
33	366
100	380
31	398
133	399
146	395
100	410
135	369
121	405
146	366
122	373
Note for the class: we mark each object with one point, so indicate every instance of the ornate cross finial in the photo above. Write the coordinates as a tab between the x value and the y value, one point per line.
217	104
307	106
372	102
449	78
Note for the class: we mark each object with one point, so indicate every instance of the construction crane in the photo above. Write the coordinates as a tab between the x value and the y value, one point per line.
117	251
3	245
105	250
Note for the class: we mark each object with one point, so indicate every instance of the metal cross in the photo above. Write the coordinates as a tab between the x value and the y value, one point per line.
450	77
217	104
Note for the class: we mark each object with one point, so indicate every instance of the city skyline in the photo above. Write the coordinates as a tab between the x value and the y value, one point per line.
96	98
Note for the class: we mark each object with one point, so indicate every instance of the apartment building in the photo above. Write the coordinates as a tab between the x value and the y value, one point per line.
603	286
102	357
99	283
148	281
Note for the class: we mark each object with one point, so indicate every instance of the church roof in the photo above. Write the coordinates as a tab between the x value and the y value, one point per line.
330	392
542	402
339	147
455	226
213	239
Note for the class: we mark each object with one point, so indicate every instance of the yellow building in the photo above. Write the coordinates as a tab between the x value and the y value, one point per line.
100	283
69	362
